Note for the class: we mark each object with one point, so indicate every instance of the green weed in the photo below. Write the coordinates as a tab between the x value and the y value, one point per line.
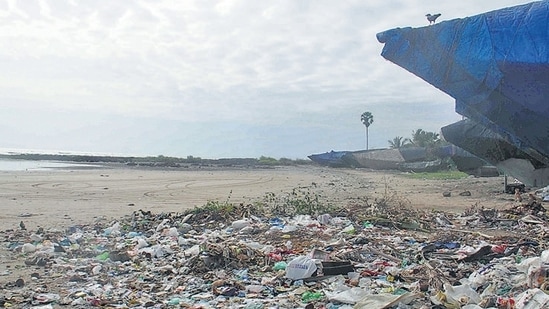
299	201
440	175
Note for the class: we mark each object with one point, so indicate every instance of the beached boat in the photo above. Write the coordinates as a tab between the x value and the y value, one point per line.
496	66
422	166
331	158
411	159
467	162
408	159
385	159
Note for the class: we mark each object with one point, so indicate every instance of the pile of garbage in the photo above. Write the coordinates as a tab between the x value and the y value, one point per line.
372	255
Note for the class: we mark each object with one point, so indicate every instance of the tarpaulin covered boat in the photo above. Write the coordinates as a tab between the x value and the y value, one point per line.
388	158
496	66
409	159
466	162
331	158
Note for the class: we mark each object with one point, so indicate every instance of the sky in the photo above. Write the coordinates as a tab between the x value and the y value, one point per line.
213	79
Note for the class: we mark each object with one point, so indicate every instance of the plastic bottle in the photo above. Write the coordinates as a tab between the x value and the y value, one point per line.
518	258
241	274
103	256
133	234
309	296
276	222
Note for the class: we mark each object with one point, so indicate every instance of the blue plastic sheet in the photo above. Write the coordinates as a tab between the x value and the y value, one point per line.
496	66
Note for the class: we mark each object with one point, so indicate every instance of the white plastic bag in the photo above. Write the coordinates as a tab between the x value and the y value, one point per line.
240	224
349	296
533	299
301	267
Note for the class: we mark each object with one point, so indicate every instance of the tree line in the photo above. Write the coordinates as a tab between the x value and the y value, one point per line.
158	161
420	138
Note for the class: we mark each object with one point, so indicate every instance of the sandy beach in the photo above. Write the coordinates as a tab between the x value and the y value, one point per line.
56	206
65	197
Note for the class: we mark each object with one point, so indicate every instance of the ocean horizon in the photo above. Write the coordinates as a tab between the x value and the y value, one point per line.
11	165
17	151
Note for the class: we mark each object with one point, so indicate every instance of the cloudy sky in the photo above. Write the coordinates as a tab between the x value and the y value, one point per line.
213	79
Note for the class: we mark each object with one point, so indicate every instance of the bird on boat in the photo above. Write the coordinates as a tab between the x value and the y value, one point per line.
518	196
432	18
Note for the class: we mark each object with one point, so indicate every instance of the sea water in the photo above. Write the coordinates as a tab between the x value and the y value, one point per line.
32	165
7	164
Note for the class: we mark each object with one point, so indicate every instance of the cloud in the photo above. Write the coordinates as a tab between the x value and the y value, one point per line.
254	63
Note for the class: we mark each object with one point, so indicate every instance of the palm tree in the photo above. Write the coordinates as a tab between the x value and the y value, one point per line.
399	142
422	138
367	119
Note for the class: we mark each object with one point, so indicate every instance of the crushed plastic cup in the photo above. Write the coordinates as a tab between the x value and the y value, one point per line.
28	248
276	222
114	230
255	305
46	298
289	228
254	288
173	232
350	229
324	219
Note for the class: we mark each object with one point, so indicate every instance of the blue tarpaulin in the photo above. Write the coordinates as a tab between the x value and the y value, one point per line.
332	158
495	65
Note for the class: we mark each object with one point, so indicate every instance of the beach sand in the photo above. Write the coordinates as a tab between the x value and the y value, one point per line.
60	199
66	197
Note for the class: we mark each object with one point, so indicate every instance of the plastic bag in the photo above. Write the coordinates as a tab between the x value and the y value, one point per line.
300	267
533	299
240	224
349	296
